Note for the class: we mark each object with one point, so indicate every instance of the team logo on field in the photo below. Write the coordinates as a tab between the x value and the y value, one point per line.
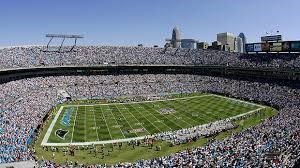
61	133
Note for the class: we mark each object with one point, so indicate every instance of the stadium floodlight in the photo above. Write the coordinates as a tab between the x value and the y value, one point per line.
63	36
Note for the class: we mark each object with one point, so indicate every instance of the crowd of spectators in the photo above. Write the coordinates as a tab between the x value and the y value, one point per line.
25	102
102	55
194	133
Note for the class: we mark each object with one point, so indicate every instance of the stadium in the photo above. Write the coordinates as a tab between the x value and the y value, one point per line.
163	109
119	103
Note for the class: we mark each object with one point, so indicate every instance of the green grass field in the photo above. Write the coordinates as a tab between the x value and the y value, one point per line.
87	124
104	122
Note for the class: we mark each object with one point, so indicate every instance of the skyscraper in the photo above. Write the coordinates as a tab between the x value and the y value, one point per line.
175	41
244	41
238	45
227	39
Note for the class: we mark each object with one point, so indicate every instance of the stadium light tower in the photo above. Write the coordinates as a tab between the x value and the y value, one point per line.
63	37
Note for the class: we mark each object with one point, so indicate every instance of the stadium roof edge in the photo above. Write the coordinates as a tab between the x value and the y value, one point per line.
133	65
24	46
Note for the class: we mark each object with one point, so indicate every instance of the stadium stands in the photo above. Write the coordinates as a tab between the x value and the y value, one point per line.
95	55
25	102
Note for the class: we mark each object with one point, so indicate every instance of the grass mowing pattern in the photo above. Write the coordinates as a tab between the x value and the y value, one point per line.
117	121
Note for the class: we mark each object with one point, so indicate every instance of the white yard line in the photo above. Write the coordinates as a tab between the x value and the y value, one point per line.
183	108
74	124
146	119
136	119
105	122
48	133
95	124
203	114
85	123
126	120
116	121
162	116
176	116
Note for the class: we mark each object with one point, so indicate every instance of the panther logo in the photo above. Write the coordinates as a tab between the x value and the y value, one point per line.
61	133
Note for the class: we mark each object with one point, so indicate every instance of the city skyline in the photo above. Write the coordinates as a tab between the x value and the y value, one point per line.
144	22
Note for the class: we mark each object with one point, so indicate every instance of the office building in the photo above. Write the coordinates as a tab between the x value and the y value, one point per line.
228	40
238	45
188	43
244	41
202	45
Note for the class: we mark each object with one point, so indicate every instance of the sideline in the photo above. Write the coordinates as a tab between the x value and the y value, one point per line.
183	98
238	100
47	135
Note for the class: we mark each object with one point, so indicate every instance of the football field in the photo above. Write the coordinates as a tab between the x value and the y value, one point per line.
107	123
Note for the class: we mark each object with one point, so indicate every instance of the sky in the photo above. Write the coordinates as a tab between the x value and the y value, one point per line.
148	22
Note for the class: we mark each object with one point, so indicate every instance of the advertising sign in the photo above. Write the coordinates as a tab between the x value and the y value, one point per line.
275	46
295	45
249	48
265	47
257	47
286	46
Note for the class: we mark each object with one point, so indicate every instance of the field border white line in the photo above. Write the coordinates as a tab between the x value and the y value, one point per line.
47	135
97	142
238	100
244	114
